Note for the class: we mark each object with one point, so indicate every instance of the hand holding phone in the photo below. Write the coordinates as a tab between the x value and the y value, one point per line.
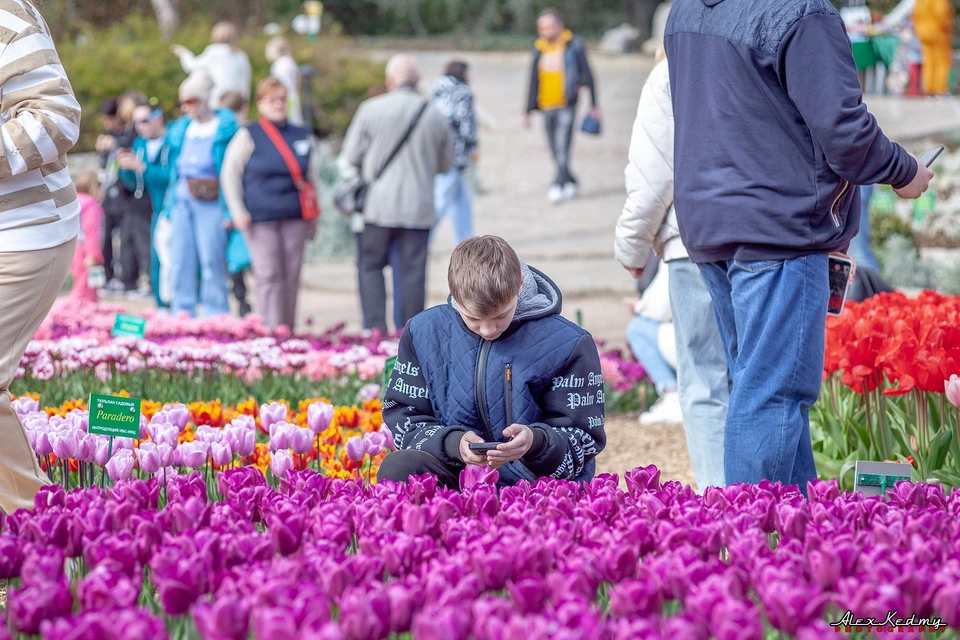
927	158
483	447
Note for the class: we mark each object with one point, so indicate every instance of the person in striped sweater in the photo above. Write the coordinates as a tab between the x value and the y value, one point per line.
39	216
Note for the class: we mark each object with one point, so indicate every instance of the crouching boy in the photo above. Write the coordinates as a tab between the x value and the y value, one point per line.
497	364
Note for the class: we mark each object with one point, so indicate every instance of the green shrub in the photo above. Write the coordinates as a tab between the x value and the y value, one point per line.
104	63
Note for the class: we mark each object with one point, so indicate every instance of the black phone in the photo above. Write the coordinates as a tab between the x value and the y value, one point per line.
927	158
840	270
483	447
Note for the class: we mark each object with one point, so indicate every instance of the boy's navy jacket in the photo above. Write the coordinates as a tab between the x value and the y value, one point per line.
544	371
772	135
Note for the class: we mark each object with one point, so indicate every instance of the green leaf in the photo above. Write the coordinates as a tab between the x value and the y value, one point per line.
939	449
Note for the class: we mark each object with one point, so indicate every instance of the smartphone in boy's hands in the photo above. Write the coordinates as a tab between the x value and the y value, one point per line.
483	447
927	158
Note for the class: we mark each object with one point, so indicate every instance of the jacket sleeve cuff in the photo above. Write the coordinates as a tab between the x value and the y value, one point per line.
911	168
539	444
451	444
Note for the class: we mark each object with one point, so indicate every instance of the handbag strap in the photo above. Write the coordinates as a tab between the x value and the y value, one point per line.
285	151
403	140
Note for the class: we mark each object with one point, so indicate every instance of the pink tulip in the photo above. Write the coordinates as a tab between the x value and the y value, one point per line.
281	436
356	448
376	443
272	413
952	389
169	456
103	451
391	444
194	454
86	447
120	466
178	414
281	462
301	441
43	446
65	443
148	456
319	416
166	434
247	443
221	453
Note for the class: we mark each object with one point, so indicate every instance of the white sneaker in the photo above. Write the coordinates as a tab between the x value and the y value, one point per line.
555	195
570	191
665	411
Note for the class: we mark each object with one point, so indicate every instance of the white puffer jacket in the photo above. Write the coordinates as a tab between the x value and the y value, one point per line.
648	220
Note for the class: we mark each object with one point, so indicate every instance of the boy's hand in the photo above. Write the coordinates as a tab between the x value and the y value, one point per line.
471	457
521	439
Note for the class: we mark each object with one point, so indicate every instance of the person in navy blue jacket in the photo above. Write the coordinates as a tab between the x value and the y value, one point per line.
498	363
771	140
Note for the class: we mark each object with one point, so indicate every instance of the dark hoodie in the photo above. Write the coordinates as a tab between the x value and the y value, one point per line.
771	130
544	371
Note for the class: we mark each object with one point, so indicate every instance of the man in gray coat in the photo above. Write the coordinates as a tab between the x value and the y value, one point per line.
399	209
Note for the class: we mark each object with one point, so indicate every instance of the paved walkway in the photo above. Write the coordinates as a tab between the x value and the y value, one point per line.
571	242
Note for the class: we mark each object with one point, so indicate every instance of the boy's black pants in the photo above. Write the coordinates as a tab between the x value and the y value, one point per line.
400	466
134	245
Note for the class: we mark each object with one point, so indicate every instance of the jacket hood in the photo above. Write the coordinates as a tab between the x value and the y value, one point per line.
711	3
543	44
539	297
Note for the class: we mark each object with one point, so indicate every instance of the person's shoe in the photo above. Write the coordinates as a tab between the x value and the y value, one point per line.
665	411
114	289
141	293
245	309
570	191
555	195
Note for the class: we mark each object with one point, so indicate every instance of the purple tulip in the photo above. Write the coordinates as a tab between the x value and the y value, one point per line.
528	595
301	440
274	623
319	415
356	448
221	453
272	413
148	457
169	456
65	443
105	589
281	462
441	623
388	437
29	606
179	582
637	597
42	565
194	454
120	466
225	618
117	552
365	615
11	558
92	625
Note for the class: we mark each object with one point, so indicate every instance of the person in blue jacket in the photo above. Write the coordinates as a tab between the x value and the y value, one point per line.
197	143
496	364
147	167
771	140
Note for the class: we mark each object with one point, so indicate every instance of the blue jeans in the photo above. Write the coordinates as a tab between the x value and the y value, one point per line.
860	248
452	196
772	317
702	374
199	244
642	337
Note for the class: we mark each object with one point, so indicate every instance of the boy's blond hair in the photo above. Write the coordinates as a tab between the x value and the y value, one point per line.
484	275
88	183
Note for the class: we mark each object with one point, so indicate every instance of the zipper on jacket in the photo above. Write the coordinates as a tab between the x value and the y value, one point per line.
481	393
835	208
508	393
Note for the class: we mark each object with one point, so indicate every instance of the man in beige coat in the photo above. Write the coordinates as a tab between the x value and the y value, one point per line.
39	217
399	209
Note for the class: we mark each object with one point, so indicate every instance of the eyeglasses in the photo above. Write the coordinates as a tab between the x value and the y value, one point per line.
190	102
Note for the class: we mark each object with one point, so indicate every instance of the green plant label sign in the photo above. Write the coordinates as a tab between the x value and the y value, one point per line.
114	416
883	201
388	371
126	325
923	206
